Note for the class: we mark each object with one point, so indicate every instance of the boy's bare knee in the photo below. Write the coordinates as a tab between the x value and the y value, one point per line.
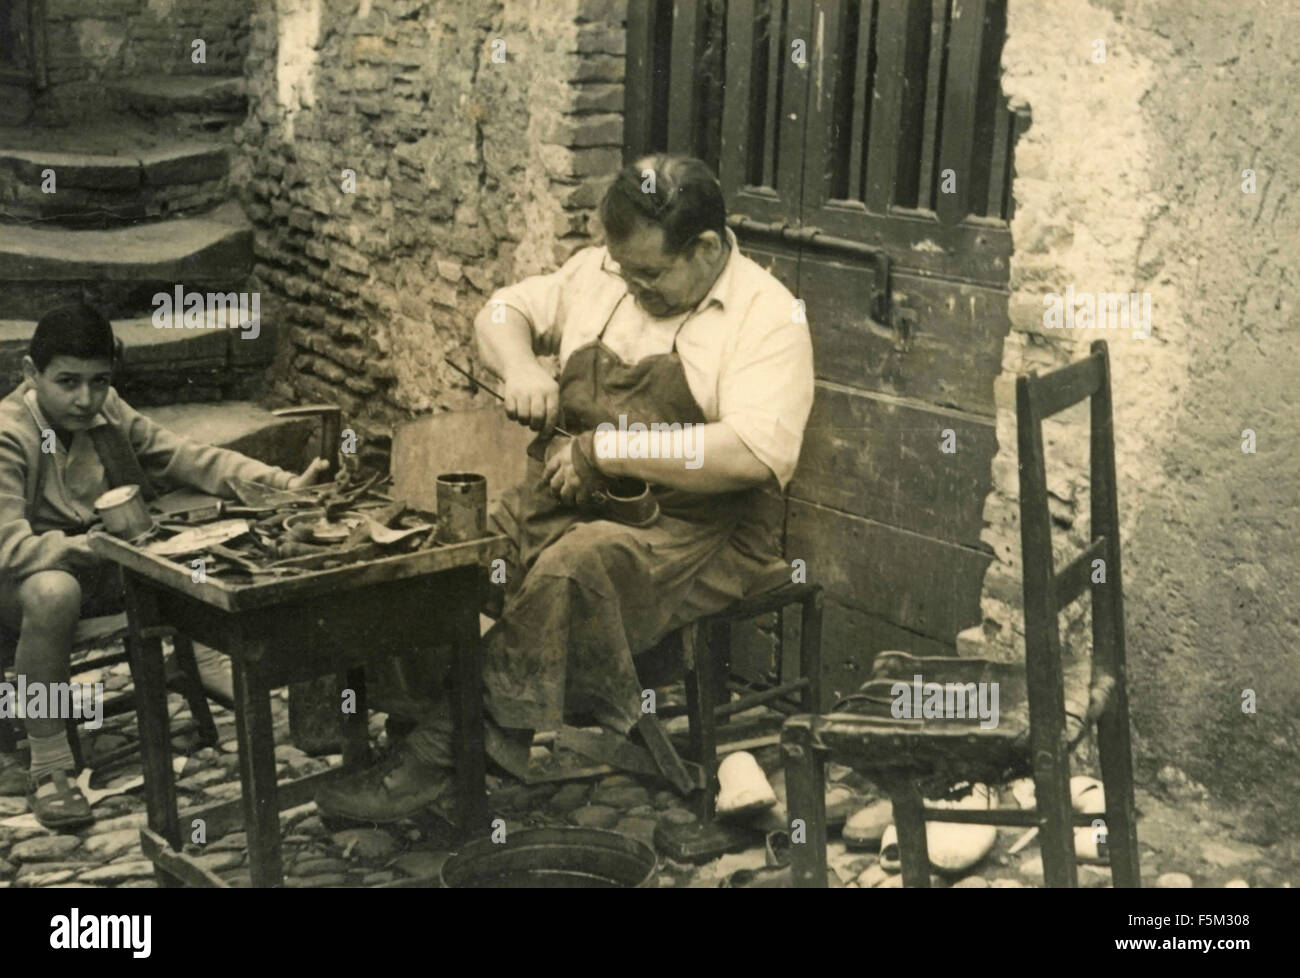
51	597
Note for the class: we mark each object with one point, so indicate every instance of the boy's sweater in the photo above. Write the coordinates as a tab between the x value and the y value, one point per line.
42	523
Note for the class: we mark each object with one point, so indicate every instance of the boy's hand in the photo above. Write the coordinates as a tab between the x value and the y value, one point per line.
311	475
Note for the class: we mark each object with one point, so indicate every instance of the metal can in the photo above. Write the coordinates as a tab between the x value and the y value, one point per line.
462	506
124	512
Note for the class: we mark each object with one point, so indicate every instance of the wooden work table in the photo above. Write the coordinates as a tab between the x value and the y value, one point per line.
330	622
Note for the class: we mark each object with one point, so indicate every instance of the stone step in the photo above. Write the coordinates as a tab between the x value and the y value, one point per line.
120	269
209	103
244	426
165	94
98	190
166	365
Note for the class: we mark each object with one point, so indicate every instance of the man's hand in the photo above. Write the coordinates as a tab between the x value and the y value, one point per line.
532	396
563	476
311	475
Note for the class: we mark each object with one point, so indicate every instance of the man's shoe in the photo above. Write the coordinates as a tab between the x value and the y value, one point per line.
13	775
57	802
390	791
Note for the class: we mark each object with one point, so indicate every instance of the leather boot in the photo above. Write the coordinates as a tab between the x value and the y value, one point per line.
393	790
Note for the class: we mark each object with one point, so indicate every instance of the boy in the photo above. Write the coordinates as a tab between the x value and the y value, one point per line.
59	432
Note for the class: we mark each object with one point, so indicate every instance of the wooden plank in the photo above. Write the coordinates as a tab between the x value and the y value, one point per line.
863	80
796	86
178	864
826	87
850	640
880	458
1064	387
453	441
683	100
222	817
737	99
958	146
978	250
949	353
221	595
1076	576
638	111
936	64
771	102
924	585
1000	164
1020	125
900	36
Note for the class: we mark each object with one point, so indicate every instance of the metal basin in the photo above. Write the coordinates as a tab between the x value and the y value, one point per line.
553	858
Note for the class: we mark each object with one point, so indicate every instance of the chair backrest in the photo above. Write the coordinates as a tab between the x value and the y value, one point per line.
1097	567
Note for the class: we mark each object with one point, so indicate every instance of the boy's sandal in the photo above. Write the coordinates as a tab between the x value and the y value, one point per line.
57	801
13	775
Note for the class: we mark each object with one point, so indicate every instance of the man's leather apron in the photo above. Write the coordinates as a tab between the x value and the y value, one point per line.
595	593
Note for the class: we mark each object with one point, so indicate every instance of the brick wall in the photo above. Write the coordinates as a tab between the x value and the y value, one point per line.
470	173
1130	180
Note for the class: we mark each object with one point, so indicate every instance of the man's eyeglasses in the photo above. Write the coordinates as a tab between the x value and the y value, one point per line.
645	278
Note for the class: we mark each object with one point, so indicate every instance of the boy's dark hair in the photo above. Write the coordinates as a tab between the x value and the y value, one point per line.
686	200
72	331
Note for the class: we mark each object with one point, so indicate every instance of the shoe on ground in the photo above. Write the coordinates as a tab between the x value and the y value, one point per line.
13	775
57	802
391	791
744	787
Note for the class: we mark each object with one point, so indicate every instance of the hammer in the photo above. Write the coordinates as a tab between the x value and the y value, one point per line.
331	430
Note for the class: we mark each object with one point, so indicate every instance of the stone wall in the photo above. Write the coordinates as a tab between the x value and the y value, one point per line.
89	42
1131	180
478	135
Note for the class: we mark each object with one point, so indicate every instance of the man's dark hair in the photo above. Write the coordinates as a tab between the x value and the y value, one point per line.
679	194
71	331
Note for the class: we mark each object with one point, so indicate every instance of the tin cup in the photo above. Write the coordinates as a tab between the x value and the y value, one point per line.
124	512
462	506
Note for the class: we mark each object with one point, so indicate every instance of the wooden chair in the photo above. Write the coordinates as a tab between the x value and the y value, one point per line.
710	683
95	633
903	754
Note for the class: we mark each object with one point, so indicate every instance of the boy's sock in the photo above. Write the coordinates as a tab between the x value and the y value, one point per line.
49	754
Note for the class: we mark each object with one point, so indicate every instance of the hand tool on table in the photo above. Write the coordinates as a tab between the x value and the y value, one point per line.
624	500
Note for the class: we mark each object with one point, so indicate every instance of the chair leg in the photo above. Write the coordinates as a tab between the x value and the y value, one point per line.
719	656
1116	752
700	700
810	651
909	820
8	736
1056	838
805	786
191	687
74	742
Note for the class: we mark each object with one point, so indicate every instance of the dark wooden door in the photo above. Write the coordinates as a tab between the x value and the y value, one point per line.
865	149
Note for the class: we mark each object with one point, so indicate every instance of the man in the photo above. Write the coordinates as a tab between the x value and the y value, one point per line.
667	324
64	434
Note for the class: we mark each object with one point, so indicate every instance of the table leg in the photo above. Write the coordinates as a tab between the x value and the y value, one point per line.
356	725
147	672
257	771
467	701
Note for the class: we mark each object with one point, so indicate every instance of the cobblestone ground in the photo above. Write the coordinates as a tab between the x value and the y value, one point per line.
1184	842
